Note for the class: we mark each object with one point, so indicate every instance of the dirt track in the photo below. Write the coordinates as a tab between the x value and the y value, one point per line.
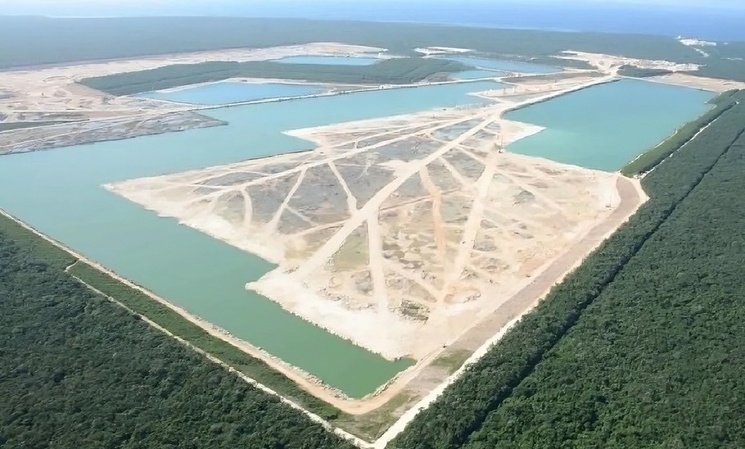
495	325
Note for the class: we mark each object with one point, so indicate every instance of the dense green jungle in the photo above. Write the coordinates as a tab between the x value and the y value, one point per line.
640	346
78	371
650	159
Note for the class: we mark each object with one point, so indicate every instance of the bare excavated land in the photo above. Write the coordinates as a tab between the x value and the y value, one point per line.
413	236
417	227
68	113
88	131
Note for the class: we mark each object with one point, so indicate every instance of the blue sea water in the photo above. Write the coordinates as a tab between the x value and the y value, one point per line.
720	20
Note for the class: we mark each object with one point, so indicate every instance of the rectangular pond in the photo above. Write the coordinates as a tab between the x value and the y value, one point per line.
329	60
227	92
605	127
60	193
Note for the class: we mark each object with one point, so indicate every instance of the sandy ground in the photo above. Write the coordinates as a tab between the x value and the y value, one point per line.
52	89
698	82
630	196
88	131
563	199
611	63
429	51
365	232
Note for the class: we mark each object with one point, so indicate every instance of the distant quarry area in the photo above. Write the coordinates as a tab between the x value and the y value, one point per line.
347	223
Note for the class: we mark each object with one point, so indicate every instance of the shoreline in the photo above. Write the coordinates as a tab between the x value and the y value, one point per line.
525	130
386	391
576	259
292	372
402	380
305	380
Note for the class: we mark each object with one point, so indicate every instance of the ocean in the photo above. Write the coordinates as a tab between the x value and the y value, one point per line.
720	24
723	23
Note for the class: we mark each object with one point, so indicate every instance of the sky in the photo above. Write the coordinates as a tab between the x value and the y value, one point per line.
185	6
708	19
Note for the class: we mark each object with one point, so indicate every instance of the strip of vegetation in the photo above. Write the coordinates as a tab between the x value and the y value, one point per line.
388	71
181	327
647	161
77	371
639	72
463	408
657	360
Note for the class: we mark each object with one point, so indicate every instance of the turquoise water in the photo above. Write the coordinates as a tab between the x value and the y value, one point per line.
478	74
328	60
234	92
502	65
607	126
59	193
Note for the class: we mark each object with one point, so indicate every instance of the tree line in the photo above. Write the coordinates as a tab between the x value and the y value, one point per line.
77	371
387	71
647	161
464	411
39	40
657	361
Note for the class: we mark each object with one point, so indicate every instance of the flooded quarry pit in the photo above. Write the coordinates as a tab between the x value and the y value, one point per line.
350	240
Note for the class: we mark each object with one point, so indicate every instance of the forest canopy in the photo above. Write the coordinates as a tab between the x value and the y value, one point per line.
39	40
81	372
638	347
389	71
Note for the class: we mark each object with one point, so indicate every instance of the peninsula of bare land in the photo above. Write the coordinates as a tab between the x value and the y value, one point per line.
351	224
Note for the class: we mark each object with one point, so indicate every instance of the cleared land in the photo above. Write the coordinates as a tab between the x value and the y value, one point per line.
420	225
399	197
417	231
506	373
31	99
86	131
681	74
